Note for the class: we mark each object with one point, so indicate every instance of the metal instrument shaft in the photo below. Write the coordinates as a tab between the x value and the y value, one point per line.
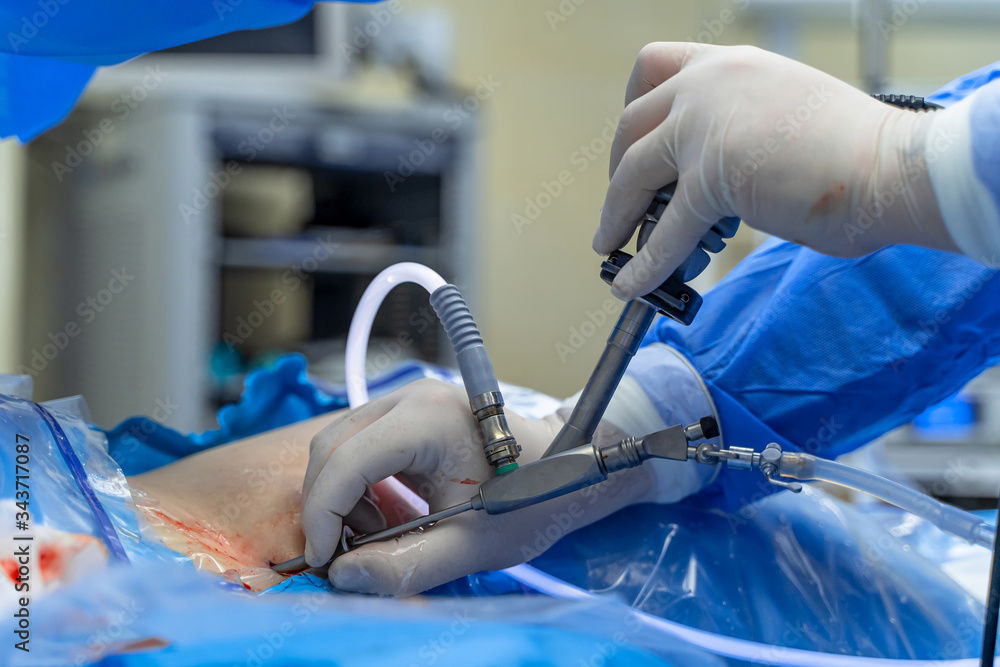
296	565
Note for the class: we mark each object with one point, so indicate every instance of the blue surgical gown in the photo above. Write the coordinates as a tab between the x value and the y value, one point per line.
51	48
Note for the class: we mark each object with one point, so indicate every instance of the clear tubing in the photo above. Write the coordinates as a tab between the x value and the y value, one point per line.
361	329
950	519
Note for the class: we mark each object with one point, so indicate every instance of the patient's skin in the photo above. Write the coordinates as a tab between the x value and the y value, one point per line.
236	509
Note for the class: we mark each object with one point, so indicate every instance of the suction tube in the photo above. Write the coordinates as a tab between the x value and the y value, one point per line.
360	331
364	316
950	519
499	445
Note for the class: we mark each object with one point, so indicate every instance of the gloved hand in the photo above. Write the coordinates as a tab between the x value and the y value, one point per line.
788	149
426	435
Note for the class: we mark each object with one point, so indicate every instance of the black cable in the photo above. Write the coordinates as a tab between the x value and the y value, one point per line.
992	603
907	102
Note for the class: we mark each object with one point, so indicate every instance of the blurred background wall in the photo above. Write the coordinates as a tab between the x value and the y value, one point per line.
555	72
12	268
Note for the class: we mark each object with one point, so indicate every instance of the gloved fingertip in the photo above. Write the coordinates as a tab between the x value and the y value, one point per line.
351	577
603	242
598	244
623	286
313	555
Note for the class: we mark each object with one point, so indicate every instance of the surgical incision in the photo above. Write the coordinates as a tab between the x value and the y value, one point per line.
236	509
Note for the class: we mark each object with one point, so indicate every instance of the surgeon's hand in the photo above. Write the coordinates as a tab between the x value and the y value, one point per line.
790	150
426	434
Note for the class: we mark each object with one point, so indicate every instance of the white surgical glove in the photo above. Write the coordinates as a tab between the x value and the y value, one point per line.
788	149
426	435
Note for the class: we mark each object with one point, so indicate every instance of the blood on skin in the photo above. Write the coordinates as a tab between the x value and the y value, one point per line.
238	557
268	534
215	541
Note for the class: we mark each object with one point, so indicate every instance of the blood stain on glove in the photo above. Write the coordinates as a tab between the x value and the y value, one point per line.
830	201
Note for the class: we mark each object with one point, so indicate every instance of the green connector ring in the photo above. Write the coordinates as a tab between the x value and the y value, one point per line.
503	470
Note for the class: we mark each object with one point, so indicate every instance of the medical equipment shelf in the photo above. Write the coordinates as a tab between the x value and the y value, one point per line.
946	469
155	196
344	258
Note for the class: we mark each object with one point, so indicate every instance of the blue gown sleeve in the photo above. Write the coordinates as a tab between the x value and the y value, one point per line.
823	354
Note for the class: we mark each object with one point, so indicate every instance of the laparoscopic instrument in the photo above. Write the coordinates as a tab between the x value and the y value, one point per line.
572	461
